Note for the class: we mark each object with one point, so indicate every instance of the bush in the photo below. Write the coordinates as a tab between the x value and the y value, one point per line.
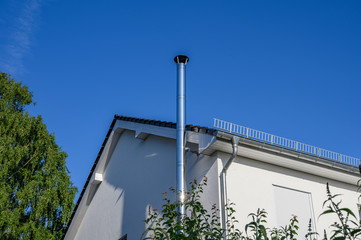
198	223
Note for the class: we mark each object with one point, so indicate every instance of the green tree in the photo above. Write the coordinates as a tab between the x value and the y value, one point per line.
36	194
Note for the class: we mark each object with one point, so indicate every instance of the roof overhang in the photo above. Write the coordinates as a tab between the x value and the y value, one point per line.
287	158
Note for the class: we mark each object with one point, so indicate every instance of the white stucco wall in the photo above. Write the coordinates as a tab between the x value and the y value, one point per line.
250	185
200	166
135	178
138	172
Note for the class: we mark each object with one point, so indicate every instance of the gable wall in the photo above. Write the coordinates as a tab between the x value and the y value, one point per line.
138	172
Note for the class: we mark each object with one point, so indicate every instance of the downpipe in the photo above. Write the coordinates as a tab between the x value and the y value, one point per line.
223	179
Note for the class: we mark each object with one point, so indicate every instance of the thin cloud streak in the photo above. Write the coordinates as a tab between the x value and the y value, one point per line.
19	41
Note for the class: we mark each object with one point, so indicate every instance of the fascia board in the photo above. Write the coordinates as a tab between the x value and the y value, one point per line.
78	217
89	191
295	162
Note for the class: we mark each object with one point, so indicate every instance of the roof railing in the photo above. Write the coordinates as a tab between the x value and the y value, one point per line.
284	142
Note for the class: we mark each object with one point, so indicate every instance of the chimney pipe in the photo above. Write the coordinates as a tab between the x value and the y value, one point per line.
181	62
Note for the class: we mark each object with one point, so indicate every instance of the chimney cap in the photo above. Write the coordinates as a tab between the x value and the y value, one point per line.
181	59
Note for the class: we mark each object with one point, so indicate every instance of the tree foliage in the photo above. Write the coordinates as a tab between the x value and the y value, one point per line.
36	194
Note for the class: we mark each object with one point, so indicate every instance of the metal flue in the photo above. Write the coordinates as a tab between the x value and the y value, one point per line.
181	62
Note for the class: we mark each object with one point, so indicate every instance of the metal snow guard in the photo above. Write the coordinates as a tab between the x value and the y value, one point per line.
284	142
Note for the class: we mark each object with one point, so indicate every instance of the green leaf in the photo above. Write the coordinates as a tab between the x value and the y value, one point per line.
36	194
347	210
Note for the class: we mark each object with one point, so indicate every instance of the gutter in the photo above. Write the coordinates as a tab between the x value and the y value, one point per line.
223	180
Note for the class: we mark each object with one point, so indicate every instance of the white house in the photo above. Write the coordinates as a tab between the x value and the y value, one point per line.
136	163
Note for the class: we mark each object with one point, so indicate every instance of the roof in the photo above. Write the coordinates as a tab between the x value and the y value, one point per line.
192	128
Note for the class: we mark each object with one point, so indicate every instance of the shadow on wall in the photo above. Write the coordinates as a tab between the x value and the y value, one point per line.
142	170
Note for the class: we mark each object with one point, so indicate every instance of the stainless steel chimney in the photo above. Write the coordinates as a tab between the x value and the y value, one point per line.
181	62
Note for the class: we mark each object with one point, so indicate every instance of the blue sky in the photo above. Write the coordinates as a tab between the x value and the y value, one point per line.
291	68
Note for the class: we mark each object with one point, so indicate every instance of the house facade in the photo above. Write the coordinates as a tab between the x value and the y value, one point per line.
136	164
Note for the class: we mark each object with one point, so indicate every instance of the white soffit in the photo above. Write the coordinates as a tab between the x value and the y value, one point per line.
142	129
